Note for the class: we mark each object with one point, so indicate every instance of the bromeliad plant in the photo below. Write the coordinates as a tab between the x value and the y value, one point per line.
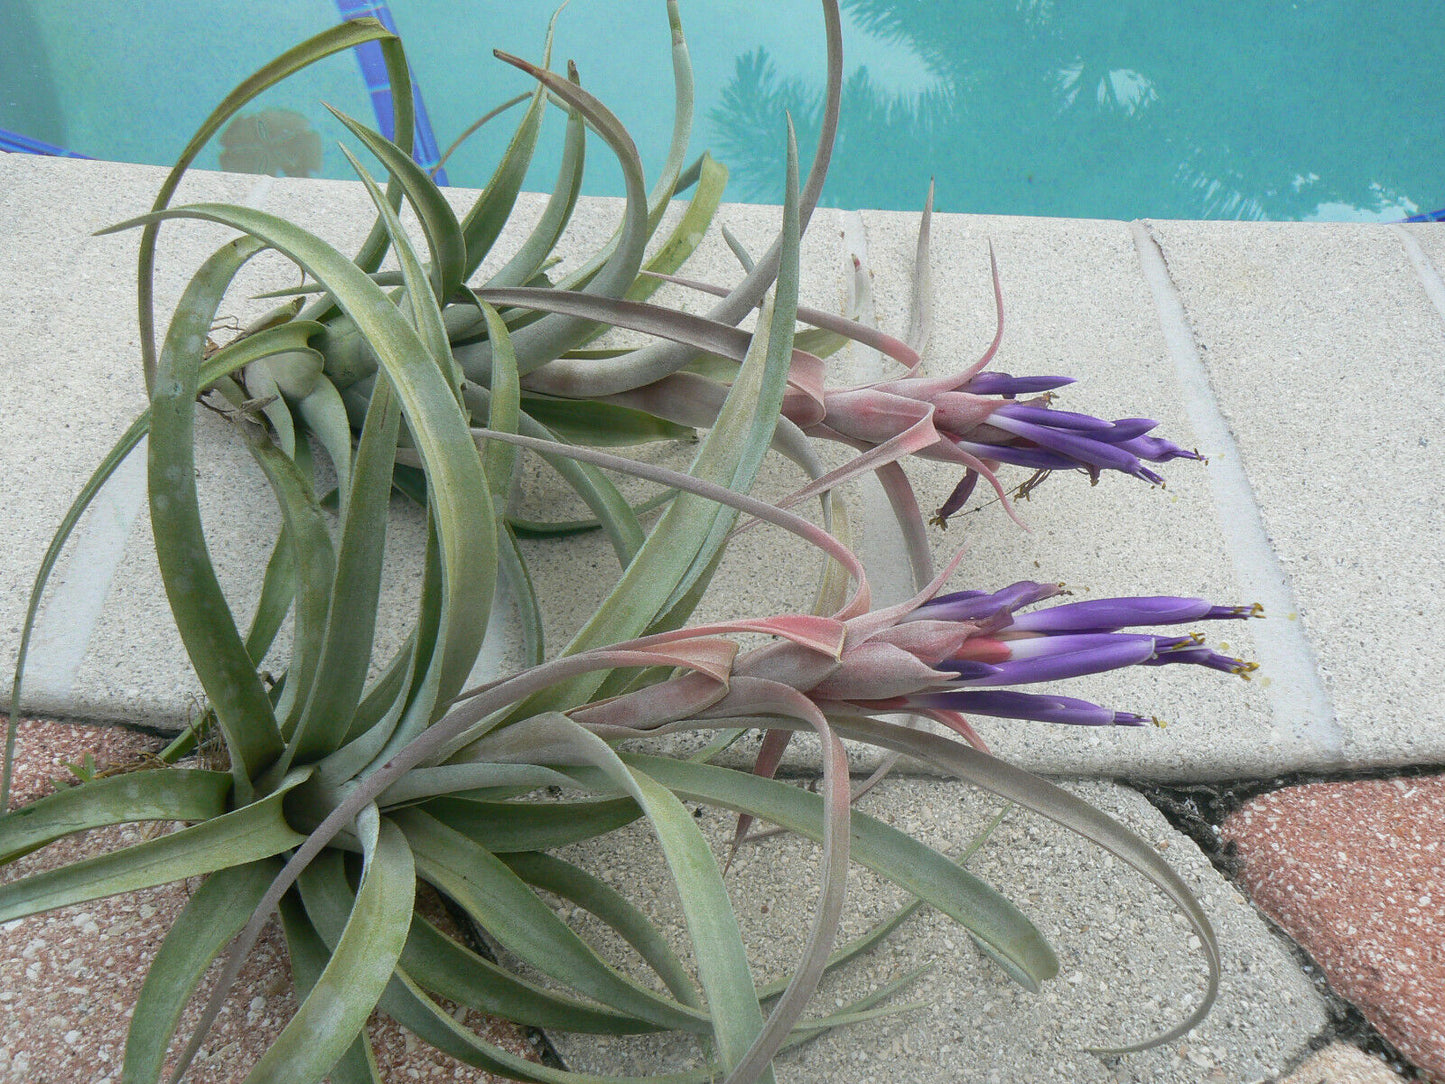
351	780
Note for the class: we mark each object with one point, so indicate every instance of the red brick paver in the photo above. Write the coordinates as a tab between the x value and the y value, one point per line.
1355	872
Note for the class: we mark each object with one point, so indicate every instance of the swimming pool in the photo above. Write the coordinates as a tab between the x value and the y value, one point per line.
1313	109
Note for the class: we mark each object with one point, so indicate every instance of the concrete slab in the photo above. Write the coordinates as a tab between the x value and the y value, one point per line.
1311	338
1128	969
1082	298
73	383
1076	303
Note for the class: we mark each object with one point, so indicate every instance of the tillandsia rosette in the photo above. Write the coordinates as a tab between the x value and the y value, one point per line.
350	779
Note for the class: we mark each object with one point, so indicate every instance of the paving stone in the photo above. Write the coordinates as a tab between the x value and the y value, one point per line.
1312	336
1129	966
1340	1063
1355	872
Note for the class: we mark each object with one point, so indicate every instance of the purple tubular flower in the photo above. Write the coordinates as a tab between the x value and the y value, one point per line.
1017	454
1109	614
1063	419
1157	449
1008	704
984	605
1009	386
1054	658
1190	649
1002	647
1092	451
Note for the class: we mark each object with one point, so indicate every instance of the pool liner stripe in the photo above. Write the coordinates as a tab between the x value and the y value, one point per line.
22	144
373	72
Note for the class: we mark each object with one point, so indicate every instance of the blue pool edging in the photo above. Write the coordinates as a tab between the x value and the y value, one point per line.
378	85
373	74
15	143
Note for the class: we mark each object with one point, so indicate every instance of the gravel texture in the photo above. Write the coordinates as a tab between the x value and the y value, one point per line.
1340	1063
1129	965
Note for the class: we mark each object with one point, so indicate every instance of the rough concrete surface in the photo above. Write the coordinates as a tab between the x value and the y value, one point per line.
1314	339
1340	302
1128	965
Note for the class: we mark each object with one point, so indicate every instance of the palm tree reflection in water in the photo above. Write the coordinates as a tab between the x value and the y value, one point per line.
1123	109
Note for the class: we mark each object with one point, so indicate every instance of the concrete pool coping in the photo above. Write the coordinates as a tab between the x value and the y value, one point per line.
1301	359
1287	353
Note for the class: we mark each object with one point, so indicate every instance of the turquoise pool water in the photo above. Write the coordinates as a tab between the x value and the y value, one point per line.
1313	109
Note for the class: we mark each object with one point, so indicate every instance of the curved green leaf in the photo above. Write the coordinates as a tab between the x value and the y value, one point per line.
253	832
483	223
895	855
407	1004
314	566
599	898
166	794
557	528
602	425
667	180
528	259
360	967
202	615
682	242
345	656
449	970
438	221
503	406
513	570
324	413
539	343
284	338
332	40
509	911
212	916
419	295
452	971
507	827
309	955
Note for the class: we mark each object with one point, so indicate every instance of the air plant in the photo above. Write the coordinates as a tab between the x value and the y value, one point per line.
351	780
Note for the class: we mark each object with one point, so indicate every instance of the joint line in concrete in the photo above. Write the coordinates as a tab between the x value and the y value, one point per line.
1424	269
1299	702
